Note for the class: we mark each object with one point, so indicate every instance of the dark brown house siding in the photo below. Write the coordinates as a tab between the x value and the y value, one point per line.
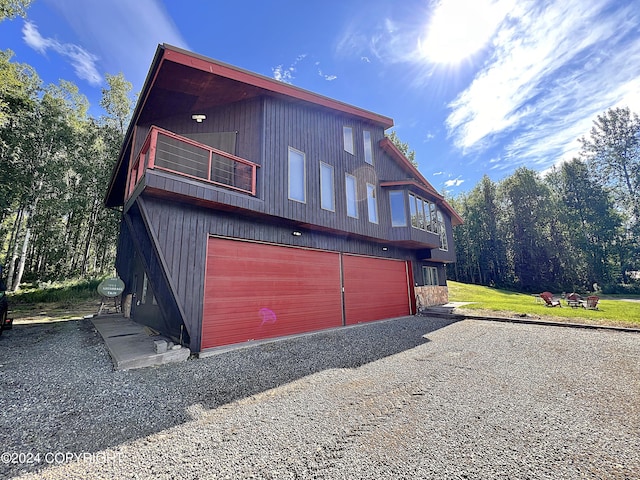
182	232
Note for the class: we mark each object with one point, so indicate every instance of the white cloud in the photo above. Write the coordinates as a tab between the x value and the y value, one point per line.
454	182
82	61
283	74
122	34
554	68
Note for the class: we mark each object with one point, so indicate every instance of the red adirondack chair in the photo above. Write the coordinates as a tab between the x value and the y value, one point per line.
592	302
549	301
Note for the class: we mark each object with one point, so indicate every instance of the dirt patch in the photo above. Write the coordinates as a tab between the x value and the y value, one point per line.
30	313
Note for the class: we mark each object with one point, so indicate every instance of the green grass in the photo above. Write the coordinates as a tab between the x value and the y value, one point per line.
69	292
611	309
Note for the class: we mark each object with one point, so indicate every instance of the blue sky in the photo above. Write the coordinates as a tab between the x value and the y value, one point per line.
474	86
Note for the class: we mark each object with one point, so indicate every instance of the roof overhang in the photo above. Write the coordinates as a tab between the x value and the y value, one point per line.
180	81
419	183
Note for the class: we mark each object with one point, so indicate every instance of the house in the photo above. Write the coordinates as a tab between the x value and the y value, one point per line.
254	209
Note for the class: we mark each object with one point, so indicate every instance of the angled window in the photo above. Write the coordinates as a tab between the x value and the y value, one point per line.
351	190
442	229
372	203
297	173
347	133
368	147
398	213
327	188
433	225
413	210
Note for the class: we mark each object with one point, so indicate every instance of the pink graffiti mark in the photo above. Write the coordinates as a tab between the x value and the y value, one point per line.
268	317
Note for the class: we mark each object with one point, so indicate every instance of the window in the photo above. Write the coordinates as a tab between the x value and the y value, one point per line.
413	210
327	188
372	203
297	172
433	226
423	214
444	245
430	275
352	203
368	147
347	133
398	214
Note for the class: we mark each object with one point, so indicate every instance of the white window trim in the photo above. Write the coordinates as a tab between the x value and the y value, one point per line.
368	146
333	187
304	175
355	194
347	133
373	197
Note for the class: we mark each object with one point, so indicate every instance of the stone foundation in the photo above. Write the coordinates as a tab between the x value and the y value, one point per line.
430	295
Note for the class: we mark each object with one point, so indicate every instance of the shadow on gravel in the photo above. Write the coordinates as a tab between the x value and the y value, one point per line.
60	393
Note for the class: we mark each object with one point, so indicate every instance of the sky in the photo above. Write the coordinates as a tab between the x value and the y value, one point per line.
474	87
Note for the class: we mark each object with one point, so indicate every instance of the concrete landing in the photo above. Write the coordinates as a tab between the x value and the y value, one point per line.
132	346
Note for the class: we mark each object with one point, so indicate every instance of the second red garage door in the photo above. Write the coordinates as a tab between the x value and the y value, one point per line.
256	291
374	288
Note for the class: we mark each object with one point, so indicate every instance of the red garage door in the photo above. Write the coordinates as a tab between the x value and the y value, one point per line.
374	289
255	291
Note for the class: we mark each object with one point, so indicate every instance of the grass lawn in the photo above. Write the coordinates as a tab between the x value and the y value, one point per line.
612	309
70	300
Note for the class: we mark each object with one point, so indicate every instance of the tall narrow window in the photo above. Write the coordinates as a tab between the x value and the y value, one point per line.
327	188
368	147
398	214
352	202
297	190
414	211
347	133
444	244
372	203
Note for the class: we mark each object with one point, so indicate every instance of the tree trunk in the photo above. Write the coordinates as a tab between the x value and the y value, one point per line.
13	248
23	258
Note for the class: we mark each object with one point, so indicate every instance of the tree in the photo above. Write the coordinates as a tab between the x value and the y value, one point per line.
612	151
117	102
13	8
403	147
591	236
529	229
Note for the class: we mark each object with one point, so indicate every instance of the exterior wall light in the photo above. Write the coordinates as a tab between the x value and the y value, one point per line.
198	117
384	249
296	234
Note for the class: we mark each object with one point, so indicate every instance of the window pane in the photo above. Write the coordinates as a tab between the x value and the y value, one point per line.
444	244
372	203
414	212
398	214
352	204
347	132
327	196
296	175
368	147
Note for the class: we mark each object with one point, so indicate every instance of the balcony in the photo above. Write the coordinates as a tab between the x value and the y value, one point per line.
166	151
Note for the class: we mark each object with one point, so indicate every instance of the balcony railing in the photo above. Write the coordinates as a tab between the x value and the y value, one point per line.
164	150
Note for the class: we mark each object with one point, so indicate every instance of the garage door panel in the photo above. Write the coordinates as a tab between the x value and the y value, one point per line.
255	291
374	289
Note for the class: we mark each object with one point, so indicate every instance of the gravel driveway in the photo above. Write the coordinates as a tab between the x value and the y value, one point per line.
410	398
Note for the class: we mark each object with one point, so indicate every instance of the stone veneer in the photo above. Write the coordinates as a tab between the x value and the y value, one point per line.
431	295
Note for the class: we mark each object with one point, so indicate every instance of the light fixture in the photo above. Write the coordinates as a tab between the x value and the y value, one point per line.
384	249
296	234
198	117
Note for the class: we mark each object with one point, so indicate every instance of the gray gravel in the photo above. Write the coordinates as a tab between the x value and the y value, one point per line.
410	398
